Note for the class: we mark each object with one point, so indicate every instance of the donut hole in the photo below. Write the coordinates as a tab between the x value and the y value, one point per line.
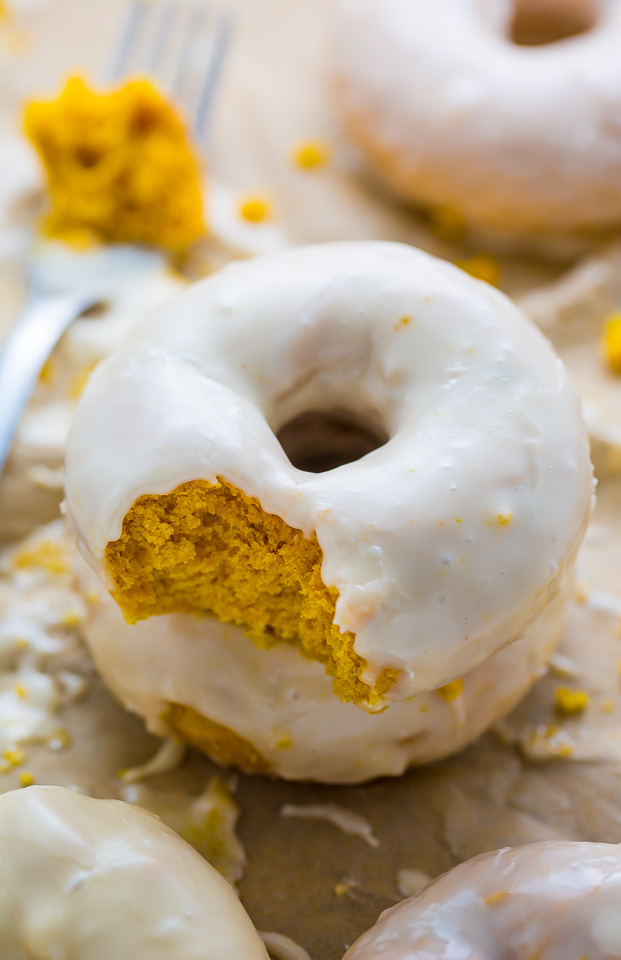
317	441
539	22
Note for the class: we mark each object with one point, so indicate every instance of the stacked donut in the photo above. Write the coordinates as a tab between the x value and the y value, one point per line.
343	624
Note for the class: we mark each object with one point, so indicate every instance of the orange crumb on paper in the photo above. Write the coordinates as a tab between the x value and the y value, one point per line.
450	691
254	209
14	756
612	342
446	223
483	267
47	374
570	702
310	155
79	380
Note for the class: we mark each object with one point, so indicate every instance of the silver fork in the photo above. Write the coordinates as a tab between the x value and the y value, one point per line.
163	39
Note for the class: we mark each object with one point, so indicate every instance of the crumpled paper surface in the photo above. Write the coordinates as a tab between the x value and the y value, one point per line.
539	775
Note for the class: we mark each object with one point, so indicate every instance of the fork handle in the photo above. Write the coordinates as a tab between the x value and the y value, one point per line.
24	352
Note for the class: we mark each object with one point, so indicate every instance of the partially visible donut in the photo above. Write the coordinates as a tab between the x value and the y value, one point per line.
521	139
101	879
552	900
401	571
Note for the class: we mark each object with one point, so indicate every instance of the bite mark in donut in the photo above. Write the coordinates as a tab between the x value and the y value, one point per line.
398	554
210	549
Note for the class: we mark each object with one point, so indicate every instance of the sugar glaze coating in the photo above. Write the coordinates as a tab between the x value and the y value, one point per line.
551	900
102	878
446	542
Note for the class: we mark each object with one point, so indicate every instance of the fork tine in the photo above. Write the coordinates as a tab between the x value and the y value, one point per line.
125	46
163	29
224	27
160	20
191	34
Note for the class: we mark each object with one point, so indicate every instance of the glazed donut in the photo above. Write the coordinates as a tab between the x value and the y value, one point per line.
401	571
99	879
553	900
514	138
273	711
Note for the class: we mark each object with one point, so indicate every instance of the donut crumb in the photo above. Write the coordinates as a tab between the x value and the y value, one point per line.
254	209
451	691
570	702
482	267
446	223
311	155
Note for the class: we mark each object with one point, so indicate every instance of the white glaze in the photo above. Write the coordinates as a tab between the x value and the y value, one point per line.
349	821
283	703
550	900
207	821
411	881
482	419
98	879
168	757
282	947
452	113
39	613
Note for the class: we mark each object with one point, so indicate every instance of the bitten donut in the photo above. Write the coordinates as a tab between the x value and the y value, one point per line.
514	138
99	879
551	900
401	571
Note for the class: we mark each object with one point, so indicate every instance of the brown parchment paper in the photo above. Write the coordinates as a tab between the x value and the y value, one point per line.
306	878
